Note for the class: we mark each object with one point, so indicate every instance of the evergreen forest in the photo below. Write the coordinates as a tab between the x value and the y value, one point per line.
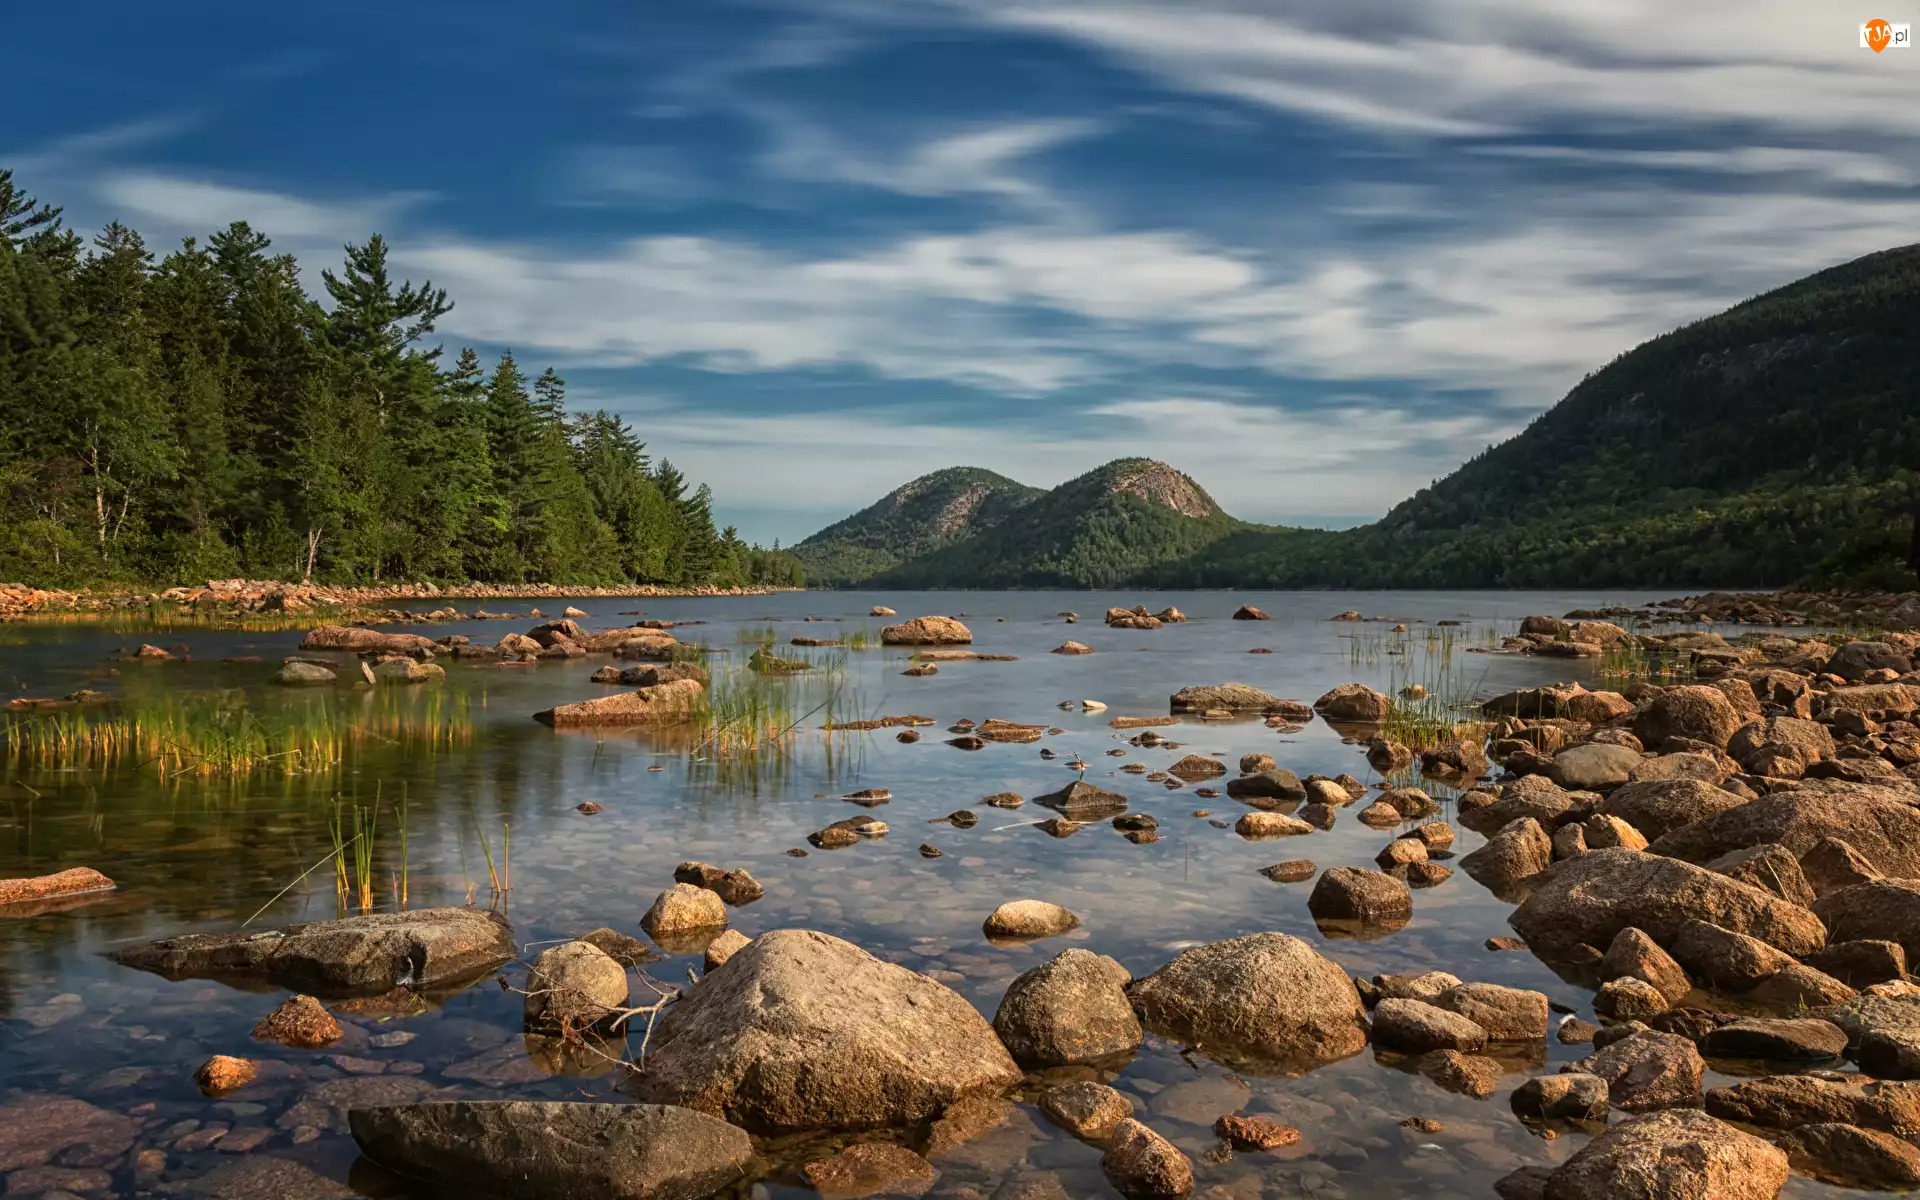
199	414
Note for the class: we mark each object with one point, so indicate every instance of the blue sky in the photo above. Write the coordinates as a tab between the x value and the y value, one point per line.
1314	254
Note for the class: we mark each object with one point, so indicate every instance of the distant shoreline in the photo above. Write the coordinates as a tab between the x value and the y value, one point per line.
273	598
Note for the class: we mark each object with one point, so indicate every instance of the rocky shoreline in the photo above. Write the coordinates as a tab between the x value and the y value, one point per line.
1730	865
246	596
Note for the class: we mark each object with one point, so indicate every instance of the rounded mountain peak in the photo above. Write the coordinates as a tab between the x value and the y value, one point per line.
1156	483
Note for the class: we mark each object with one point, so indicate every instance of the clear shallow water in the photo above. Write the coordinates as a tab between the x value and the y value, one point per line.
192	856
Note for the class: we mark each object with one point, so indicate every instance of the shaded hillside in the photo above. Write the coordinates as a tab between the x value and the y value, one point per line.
916	518
1773	442
1104	528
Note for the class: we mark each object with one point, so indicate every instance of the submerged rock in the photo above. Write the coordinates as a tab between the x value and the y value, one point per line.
304	674
1086	1109
75	881
423	948
1142	1165
871	1169
528	1148
805	1031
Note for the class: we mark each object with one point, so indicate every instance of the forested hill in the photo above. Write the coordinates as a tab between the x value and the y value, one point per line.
915	518
1775	443
199	415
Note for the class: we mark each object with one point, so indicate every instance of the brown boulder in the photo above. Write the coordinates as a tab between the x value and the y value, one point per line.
674	701
1657	807
1780	747
1071	1009
1647	1070
927	631
1878	822
1265	998
1590	899
805	1031
1695	712
1885	910
1676	1155
1354	702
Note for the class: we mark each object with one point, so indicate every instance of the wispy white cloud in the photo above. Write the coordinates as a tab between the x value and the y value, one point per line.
980	160
1474	67
156	200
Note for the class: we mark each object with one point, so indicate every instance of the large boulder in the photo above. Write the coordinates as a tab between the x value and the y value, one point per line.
1070	1009
1680	1154
1235	697
804	1031
1695	712
676	700
425	948
1853	661
1886	910
527	1148
1263	999
927	631
1354	702
1590	899
1658	806
1781	747
1878	822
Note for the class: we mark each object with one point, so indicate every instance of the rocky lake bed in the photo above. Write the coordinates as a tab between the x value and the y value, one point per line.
965	895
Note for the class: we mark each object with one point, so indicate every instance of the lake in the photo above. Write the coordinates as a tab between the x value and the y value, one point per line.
478	779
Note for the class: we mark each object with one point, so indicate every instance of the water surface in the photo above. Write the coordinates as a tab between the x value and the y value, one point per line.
195	855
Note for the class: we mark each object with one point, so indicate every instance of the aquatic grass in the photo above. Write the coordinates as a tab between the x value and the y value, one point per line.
764	635
1623	663
223	733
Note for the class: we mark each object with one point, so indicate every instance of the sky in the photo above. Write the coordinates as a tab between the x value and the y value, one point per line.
1313	254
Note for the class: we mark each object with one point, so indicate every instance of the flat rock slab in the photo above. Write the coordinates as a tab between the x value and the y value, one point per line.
674	700
533	1149
78	881
427	948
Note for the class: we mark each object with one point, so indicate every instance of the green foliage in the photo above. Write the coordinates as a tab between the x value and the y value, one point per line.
200	416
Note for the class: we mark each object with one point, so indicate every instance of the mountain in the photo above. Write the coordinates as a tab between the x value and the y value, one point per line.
1775	442
916	518
1102	529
